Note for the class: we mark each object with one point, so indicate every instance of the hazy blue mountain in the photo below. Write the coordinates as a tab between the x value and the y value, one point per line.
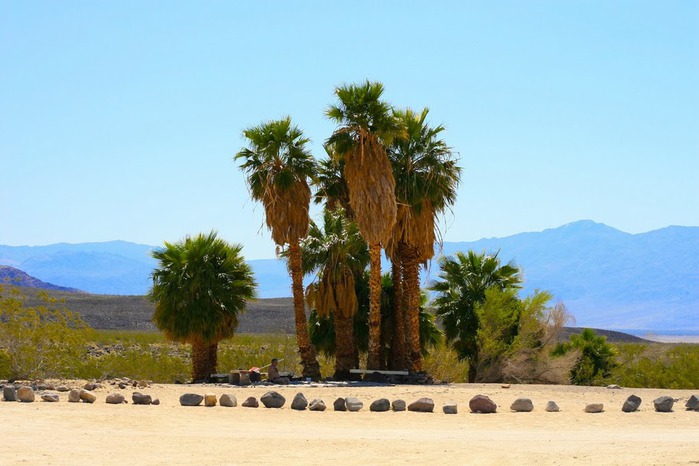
606	278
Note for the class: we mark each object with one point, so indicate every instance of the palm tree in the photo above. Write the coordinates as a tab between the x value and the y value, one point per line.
366	125
337	254
427	177
278	167
199	288
463	281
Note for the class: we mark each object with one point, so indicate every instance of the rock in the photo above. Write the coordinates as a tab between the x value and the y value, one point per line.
40	387
228	401
25	394
9	393
423	405
139	398
398	405
663	404
692	403
299	403
251	402
115	399
482	404
450	408
594	408
522	405
191	399
552	407
272	399
62	388
74	395
89	386
87	397
156	401
353	404
210	400
123	385
380	406
340	405
505	385
631	404
614	387
317	405
50	397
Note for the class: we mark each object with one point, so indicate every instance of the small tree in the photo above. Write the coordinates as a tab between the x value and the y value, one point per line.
199	287
39	342
596	357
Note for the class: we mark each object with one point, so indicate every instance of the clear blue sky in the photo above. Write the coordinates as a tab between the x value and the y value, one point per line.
120	119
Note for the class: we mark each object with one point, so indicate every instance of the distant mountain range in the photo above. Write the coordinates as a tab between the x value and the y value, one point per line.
646	282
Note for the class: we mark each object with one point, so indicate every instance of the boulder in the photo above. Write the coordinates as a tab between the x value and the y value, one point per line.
340	405
50	397
423	405
522	405
594	408
74	395
450	408
692	403
229	401
156	401
191	399
9	393
482	404
210	400
139	398
614	387
663	404
398	405
251	402
87	397
90	386
631	404
317	405
272	399
380	406
353	404
552	407
115	399
25	394
299	403
62	388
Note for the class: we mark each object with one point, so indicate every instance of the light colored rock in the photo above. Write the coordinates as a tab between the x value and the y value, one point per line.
552	407
450	408
299	403
317	405
25	394
251	402
229	401
353	404
594	408
398	405
74	395
522	405
87	397
115	399
50	397
273	399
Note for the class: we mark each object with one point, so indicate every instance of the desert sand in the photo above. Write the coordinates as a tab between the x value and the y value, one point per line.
78	433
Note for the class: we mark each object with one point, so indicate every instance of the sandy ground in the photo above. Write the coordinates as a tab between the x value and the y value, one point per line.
101	434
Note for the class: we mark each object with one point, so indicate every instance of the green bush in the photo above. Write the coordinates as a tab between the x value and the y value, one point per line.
673	366
39	342
596	361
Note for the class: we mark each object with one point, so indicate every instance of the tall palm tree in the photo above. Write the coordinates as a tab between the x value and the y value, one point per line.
278	168
199	287
337	254
366	125
463	281
427	177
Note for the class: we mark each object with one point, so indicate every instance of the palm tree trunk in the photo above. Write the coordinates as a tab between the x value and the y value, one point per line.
374	354
412	290
204	360
398	360
309	361
344	347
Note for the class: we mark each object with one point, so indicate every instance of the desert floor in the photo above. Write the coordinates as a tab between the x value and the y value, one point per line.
103	434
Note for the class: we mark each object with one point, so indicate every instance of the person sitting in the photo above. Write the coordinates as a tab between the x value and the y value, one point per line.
273	374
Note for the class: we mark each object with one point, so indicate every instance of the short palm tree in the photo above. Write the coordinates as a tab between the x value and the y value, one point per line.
337	254
199	287
427	177
366	125
463	281
278	168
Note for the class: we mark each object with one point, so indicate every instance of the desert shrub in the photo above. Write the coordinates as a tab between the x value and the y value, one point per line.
596	358
162	363
39	342
657	365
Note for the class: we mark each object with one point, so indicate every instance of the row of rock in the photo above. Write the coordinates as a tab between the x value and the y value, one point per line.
478	404
27	394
